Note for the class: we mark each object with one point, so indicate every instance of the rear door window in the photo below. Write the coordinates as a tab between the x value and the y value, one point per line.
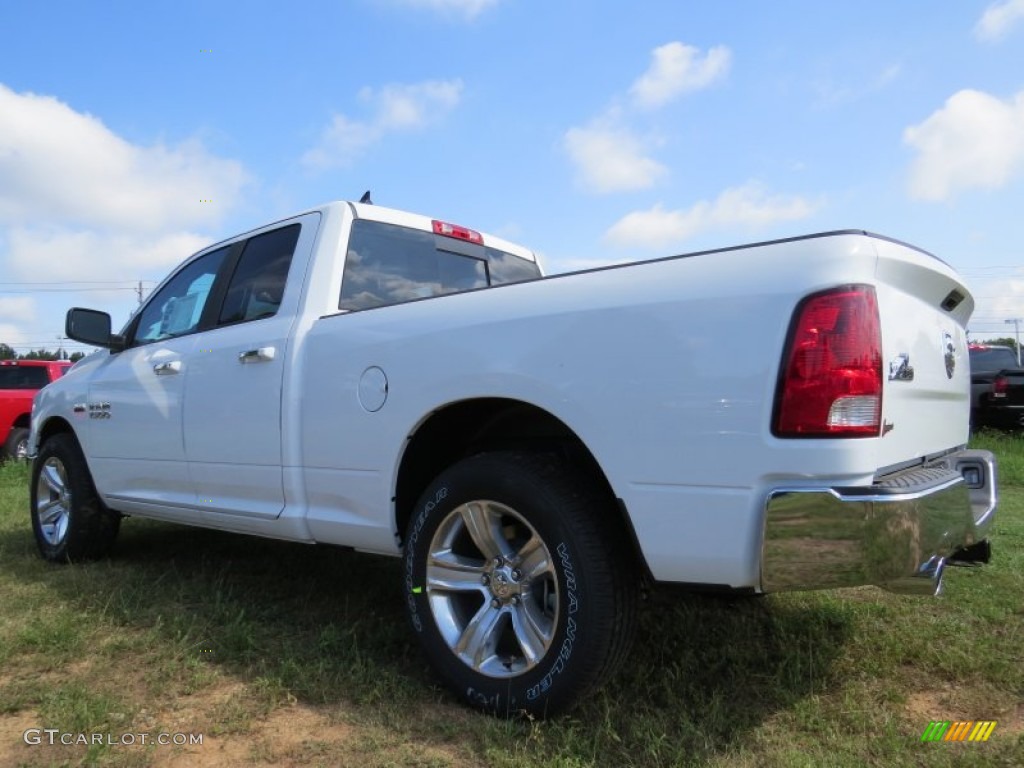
257	285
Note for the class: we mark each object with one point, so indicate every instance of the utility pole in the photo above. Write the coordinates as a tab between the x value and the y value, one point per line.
138	292
1015	322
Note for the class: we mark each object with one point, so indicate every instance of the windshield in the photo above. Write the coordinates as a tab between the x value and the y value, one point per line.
992	359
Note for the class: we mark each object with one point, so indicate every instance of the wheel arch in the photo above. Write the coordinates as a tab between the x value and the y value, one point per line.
480	425
54	426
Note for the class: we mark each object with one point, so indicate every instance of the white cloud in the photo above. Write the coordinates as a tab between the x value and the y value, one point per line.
12	334
396	108
676	69
611	159
975	140
64	254
749	206
68	166
79	202
17	308
470	9
998	20
608	153
410	107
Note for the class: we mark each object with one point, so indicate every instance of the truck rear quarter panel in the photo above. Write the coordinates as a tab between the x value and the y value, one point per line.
666	370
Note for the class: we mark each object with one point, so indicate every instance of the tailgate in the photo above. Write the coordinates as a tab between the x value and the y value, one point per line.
924	309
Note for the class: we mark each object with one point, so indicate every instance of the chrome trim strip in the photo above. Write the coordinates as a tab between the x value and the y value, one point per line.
886	498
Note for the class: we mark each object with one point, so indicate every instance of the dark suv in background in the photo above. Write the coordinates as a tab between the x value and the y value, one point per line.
997	387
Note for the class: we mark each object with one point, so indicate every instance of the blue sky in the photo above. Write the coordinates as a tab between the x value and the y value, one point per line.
132	134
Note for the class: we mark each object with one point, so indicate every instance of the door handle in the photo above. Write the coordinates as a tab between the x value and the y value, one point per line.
261	355
166	369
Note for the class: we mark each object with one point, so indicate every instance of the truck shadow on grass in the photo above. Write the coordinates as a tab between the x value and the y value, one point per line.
327	627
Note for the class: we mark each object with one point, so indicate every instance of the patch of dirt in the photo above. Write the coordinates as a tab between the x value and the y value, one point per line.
13	749
947	704
291	734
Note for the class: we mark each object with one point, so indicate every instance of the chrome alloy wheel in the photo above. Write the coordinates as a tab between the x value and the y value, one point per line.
53	501
492	589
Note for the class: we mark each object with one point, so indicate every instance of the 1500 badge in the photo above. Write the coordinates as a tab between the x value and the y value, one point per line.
95	410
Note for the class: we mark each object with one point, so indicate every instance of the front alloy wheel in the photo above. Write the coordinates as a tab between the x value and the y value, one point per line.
69	520
53	501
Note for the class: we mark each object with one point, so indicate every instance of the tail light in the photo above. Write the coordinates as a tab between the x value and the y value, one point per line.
830	384
458	232
1000	386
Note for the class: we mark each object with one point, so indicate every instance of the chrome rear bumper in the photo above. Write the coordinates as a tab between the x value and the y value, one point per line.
898	533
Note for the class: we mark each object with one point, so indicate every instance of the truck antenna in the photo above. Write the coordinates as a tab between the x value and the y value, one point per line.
366	198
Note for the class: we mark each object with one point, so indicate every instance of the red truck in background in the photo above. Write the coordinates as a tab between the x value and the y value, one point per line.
19	382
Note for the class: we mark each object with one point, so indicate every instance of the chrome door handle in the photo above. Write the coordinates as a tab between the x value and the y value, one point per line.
166	369
261	355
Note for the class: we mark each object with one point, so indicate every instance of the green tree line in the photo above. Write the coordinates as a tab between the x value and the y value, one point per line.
7	353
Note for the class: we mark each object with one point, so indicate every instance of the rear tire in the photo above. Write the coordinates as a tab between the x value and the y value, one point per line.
69	520
518	583
16	446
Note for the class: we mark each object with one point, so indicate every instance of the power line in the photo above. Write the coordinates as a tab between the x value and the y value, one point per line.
64	290
70	282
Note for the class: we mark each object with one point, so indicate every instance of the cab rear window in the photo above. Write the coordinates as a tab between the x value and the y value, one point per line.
23	377
388	264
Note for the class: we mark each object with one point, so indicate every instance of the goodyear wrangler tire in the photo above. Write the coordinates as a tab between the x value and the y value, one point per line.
69	520
519	586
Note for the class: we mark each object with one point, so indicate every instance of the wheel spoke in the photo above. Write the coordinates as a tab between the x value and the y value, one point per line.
532	628
483	526
54	477
454	573
51	511
534	560
479	638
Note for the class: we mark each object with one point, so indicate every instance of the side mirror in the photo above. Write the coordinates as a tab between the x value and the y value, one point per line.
91	326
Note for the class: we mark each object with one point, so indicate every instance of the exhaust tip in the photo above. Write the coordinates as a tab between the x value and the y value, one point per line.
926	582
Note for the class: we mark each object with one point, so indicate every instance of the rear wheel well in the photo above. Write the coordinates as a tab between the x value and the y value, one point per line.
485	425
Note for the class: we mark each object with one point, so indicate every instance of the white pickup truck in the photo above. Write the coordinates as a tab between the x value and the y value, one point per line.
784	415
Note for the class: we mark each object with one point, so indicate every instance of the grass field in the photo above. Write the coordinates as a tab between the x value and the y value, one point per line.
294	655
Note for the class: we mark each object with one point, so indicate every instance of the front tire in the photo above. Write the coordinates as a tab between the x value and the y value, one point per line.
69	520
16	447
518	585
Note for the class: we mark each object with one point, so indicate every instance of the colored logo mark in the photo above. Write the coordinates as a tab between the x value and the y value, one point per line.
960	730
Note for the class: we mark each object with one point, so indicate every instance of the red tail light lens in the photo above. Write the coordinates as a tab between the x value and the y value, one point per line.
831	379
1000	386
459	233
